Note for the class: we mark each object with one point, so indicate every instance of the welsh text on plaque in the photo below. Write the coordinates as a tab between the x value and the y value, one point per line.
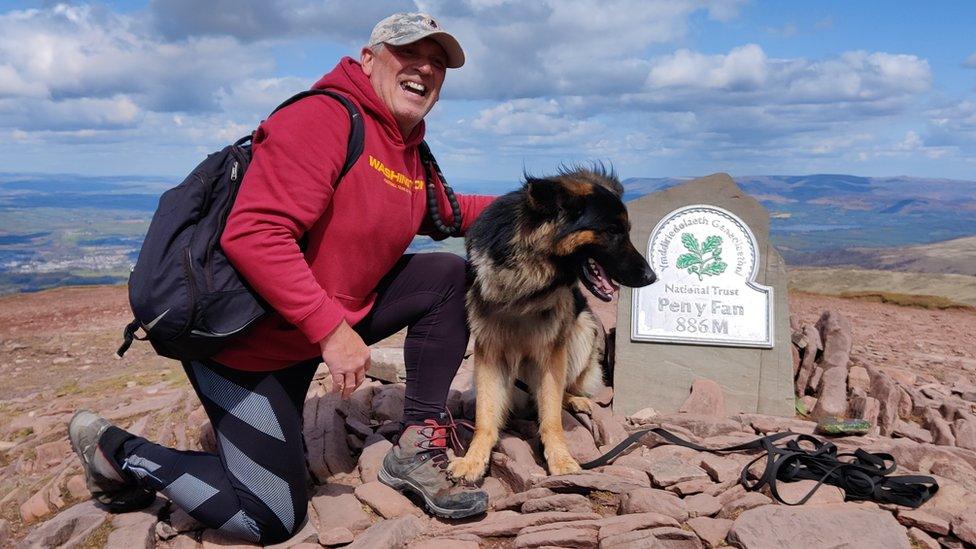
706	260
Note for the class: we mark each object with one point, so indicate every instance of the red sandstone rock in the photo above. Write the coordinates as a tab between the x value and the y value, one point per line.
587	482
69	527
569	503
371	459
750	500
335	509
964	429
793	492
652	500
706	399
515	501
390	533
565	537
922	540
711	531
825	526
702	505
924	520
666	538
387	502
331	537
509	523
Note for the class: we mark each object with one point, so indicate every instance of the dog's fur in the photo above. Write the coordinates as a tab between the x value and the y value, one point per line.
530	321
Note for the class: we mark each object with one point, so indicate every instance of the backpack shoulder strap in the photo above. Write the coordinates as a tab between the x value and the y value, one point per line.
357	131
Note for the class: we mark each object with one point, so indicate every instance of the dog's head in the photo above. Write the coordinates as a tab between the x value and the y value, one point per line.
592	228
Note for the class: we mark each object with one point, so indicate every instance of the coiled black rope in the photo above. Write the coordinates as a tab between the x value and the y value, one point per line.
427	159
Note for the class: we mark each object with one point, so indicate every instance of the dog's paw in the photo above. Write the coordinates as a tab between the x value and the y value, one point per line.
563	464
578	404
466	468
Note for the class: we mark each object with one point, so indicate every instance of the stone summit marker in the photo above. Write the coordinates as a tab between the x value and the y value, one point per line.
718	310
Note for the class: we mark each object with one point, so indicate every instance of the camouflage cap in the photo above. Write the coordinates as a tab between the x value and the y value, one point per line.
406	28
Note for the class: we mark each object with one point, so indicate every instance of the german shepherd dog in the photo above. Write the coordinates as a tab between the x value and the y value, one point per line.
530	321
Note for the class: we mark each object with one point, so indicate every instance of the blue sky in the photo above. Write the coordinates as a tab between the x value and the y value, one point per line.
657	88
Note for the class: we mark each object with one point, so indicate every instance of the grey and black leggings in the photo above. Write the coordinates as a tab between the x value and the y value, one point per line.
255	486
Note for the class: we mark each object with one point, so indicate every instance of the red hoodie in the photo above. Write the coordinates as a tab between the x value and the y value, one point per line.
357	230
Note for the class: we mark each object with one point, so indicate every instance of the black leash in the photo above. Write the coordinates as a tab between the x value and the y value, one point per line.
865	476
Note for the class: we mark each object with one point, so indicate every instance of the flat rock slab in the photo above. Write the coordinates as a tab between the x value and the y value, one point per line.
509	523
67	529
587	482
390	533
817	527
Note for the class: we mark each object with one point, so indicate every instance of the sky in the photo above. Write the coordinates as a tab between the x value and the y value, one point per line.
655	88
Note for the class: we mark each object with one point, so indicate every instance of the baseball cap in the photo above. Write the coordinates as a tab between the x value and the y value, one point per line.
406	28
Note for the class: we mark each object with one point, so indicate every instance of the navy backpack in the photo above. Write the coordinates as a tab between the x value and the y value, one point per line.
184	293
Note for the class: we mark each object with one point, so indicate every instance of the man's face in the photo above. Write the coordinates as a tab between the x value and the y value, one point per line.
407	78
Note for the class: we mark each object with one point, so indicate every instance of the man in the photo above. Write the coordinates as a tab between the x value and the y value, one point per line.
349	286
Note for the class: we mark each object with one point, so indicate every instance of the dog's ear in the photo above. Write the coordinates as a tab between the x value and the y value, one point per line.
552	195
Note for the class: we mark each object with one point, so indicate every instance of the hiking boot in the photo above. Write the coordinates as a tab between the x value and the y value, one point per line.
418	464
105	480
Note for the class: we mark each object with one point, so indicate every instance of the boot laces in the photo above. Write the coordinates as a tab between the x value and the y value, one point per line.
441	435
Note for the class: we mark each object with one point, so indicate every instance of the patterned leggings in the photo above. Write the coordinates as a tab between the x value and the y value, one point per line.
255	486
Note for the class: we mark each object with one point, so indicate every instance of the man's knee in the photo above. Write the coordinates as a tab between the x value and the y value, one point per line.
273	531
449	269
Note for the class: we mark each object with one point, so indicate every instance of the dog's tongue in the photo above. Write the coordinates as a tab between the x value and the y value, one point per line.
602	281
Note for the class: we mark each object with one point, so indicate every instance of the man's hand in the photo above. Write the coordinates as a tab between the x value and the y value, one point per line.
347	357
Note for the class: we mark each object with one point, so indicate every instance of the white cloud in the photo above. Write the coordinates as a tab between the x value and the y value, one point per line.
74	66
970	62
743	68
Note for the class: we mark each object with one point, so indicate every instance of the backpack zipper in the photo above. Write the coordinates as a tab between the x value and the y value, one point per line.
222	216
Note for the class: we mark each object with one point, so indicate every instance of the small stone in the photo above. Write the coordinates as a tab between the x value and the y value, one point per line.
924	520
706	398
387	502
371	459
509	523
736	507
652	500
331	537
495	489
643	415
165	531
77	488
922	540
563	537
570	503
390	533
858	378
336	509
671	538
690	487
719	468
908	429
793	492
964	429
586	482
711	531
629	474
702	505
68	528
611	526
515	474
515	501
672	471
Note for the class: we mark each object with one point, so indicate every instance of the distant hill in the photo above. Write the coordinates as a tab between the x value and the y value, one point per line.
957	256
63	229
837	219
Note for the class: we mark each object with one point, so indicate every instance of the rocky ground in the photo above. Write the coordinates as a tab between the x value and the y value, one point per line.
909	372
